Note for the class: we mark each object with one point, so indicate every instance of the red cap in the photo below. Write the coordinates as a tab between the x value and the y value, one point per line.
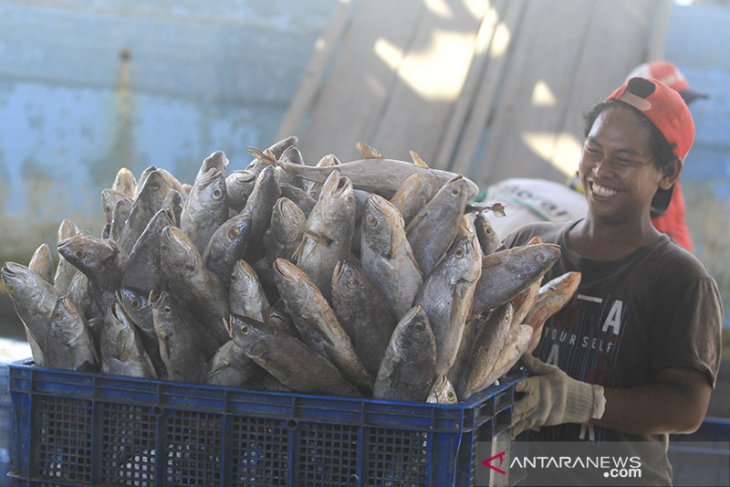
663	107
669	74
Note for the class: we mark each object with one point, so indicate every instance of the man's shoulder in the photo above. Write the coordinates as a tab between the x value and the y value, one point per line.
549	232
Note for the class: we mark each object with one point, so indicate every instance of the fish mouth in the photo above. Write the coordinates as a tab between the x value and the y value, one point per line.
244	177
155	298
283	267
344	185
175	237
10	269
208	177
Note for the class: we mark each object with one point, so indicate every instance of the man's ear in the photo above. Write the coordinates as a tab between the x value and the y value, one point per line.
670	174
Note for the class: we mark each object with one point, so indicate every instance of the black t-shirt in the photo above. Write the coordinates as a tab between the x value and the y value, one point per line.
630	318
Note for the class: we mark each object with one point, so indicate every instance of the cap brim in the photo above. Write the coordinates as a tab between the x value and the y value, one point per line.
690	95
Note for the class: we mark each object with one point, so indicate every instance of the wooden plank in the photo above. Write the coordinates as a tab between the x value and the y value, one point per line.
315	71
354	93
459	116
429	80
481	106
602	67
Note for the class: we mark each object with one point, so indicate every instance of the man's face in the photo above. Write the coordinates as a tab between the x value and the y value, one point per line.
616	167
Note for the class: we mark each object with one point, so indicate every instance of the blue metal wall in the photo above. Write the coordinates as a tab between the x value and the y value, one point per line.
699	42
89	86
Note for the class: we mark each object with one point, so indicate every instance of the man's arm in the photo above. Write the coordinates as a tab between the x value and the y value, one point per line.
677	403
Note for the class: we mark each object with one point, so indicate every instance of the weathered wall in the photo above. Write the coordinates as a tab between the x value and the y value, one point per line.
89	86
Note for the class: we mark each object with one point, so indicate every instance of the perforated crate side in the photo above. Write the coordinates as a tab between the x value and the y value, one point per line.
89	429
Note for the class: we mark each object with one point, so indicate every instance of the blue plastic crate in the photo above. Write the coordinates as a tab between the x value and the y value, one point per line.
74	428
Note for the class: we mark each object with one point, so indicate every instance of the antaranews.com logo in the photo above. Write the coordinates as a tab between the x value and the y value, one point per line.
539	464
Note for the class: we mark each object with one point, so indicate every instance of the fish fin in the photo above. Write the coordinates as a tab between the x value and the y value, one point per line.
496	208
417	159
266	156
368	152
317	237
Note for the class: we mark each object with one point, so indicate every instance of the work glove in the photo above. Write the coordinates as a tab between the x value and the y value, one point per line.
552	397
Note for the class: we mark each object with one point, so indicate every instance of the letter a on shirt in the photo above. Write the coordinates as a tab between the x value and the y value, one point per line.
613	320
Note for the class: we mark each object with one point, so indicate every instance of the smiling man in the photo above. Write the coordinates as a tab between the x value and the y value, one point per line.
650	299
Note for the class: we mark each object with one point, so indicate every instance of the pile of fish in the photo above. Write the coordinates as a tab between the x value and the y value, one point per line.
371	278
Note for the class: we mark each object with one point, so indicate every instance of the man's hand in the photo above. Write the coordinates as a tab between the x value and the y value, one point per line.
552	397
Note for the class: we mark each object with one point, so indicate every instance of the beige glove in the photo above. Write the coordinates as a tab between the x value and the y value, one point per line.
552	397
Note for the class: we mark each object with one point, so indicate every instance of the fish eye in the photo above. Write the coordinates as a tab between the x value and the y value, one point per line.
234	232
79	254
136	304
450	395
244	329
371	220
217	194
459	253
455	191
167	309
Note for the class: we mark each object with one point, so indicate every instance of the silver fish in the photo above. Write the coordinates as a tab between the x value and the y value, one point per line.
109	200
184	345
101	260
121	350
142	270
488	238
125	183
506	273
155	186
415	193
260	206
120	215
447	296
515	346
69	344
381	176
386	256
287	222
363	313
42	263
65	271
486	345
289	360
442	392
317	322
205	208
443	213
217	160
230	367
328	235
239	185
228	244
34	300
409	365
304	201
247	297
191	282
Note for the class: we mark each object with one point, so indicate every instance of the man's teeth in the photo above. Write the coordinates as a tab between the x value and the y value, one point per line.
603	190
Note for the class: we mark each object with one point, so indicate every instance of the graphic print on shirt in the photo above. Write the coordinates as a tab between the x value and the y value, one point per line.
583	339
